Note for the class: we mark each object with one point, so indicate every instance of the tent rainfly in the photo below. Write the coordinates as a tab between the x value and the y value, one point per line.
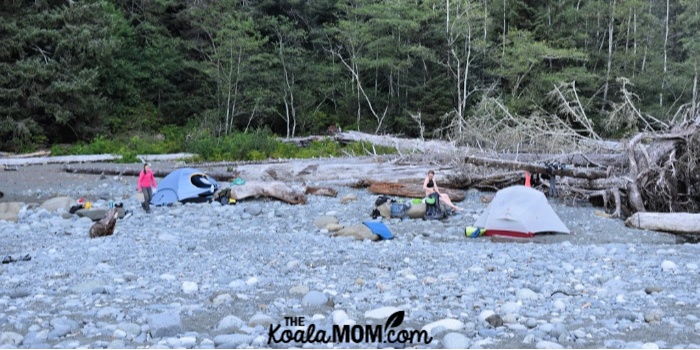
520	211
185	185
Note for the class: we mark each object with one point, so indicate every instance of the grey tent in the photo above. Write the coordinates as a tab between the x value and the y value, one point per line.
185	185
519	211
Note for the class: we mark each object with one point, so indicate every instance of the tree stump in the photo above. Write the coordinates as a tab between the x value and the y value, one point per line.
106	225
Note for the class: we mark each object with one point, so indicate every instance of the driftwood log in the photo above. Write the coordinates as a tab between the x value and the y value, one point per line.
136	172
321	191
585	173
410	190
654	172
106	225
273	189
668	222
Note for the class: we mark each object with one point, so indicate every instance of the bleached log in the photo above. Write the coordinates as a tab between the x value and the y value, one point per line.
585	173
89	159
666	222
136	172
274	189
411	190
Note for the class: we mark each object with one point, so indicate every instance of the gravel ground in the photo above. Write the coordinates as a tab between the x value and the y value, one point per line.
204	276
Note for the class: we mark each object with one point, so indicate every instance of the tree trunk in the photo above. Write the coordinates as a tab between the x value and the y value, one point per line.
106	225
611	28
537	168
667	222
274	189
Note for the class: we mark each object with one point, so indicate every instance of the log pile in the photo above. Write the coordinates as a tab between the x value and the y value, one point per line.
657	172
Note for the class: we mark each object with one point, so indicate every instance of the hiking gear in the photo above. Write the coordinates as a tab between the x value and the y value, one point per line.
519	211
379	229
433	211
185	185
146	179
399	210
381	200
473	232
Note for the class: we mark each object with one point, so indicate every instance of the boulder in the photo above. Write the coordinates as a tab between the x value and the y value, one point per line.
10	211
333	227
323	221
54	204
360	232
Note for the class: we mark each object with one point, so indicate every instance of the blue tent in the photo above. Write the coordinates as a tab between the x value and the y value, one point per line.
185	185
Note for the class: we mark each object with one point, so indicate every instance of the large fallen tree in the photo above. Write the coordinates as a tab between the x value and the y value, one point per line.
655	170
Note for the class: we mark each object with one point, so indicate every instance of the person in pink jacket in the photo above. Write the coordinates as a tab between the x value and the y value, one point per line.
147	185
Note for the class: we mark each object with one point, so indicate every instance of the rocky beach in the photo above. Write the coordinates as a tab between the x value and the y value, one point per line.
212	276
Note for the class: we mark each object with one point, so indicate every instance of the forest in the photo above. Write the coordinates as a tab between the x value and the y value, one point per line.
82	70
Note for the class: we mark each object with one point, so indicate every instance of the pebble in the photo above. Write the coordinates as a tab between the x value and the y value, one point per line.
189	287
209	268
314	298
381	313
455	341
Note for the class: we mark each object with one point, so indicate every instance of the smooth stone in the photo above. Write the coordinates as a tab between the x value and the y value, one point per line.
323	221
455	341
164	325
653	289
495	321
58	203
485	314
381	313
11	338
314	298
527	294
232	340
260	320
653	316
668	265
547	345
299	289
222	299
510	308
339	317
189	287
449	324
253	210
230	323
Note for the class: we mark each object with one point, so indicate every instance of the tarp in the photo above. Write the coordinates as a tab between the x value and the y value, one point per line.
520	211
185	185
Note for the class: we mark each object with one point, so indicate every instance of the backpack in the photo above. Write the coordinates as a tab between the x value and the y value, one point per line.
432	208
381	200
399	210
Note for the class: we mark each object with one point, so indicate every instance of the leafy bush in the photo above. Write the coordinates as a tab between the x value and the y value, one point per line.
259	144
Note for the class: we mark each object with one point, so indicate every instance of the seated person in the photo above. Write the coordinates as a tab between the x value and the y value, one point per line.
430	186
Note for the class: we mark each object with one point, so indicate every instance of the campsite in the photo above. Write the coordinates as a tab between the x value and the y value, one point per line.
203	275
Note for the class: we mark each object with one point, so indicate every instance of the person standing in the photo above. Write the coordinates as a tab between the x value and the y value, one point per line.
147	185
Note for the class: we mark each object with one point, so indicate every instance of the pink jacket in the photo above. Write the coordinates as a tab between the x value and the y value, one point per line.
146	180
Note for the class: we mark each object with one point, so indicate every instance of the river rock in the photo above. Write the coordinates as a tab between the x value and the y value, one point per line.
57	203
10	211
230	323
455	341
164	325
449	324
359	232
323	221
381	313
314	298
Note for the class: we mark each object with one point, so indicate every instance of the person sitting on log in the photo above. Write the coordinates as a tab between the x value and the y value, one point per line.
430	186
